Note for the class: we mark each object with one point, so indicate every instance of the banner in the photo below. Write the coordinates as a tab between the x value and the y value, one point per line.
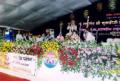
26	64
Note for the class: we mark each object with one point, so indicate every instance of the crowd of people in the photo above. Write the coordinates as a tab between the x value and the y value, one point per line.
35	38
73	34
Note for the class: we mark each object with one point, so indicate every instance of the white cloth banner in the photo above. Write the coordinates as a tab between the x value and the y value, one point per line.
21	63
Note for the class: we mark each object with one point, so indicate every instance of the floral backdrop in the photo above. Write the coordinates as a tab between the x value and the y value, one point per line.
74	56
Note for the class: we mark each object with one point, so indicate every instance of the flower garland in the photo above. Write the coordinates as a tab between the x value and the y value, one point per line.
37	50
112	4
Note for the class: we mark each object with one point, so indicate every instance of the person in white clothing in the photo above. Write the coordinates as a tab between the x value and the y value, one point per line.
75	36
19	36
40	38
69	29
24	37
73	26
89	36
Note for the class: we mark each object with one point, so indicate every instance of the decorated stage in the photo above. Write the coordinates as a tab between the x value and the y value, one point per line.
61	61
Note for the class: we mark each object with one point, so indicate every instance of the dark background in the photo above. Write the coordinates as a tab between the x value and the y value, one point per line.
95	15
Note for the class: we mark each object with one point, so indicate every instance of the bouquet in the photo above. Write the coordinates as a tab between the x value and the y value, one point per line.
69	59
48	46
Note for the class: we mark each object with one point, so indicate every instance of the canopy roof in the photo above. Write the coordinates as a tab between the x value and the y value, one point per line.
27	14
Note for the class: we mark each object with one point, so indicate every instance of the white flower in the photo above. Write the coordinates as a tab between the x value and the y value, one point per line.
89	52
94	51
82	51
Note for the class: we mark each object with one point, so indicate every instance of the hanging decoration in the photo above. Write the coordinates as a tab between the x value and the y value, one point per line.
37	50
112	5
99	6
86	13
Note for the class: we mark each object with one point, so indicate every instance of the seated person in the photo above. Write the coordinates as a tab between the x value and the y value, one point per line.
40	38
88	35
75	36
19	36
7	35
48	35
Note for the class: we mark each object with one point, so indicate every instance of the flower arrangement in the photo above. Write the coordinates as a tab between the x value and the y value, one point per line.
118	62
49	46
118	51
69	59
86	57
90	59
22	47
6	46
50	50
60	38
36	50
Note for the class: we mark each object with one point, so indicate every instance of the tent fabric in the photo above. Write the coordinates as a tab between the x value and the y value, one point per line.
27	14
